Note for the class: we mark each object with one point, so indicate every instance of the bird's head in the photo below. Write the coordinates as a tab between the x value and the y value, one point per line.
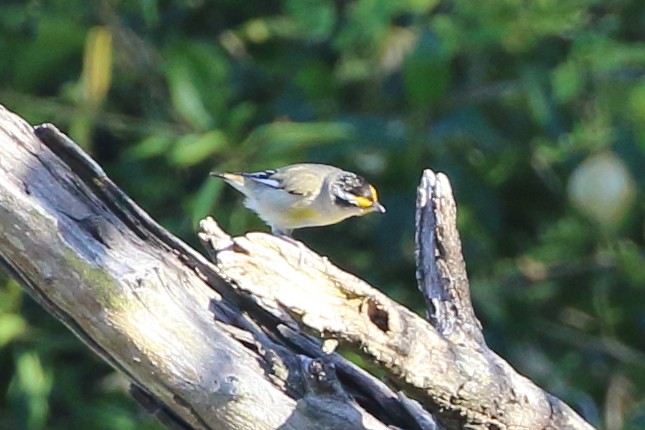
352	191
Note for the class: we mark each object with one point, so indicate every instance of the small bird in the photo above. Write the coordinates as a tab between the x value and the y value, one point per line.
304	195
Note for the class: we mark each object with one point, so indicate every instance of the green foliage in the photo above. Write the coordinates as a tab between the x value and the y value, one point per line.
535	110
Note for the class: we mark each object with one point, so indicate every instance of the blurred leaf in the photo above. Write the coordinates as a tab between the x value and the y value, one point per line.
198	77
97	65
353	68
427	76
603	54
631	261
533	20
94	83
152	146
195	148
398	46
257	30
368	26
419	6
240	115
536	96
279	137
12	326
58	42
205	198
567	81
316	80
637	111
186	97
315	18
31	387
149	11
11	295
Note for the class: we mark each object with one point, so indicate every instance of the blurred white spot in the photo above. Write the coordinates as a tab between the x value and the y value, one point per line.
603	188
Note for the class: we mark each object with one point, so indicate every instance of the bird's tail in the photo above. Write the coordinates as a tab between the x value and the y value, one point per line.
231	178
235	180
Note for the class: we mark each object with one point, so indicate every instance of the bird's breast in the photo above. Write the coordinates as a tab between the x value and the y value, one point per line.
301	214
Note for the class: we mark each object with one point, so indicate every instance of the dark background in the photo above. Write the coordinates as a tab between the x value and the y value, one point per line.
535	110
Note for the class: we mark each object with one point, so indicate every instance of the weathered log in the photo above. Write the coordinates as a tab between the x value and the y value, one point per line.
246	341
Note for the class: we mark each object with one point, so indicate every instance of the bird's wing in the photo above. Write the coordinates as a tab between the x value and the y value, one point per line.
265	177
295	179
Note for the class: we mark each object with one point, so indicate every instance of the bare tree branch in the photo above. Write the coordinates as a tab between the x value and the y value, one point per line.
247	342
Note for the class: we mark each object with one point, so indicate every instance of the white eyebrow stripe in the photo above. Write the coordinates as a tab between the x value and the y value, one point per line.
348	197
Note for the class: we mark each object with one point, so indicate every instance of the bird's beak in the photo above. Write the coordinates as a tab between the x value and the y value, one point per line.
378	207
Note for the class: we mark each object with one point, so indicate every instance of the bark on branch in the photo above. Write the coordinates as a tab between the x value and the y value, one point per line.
246	341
